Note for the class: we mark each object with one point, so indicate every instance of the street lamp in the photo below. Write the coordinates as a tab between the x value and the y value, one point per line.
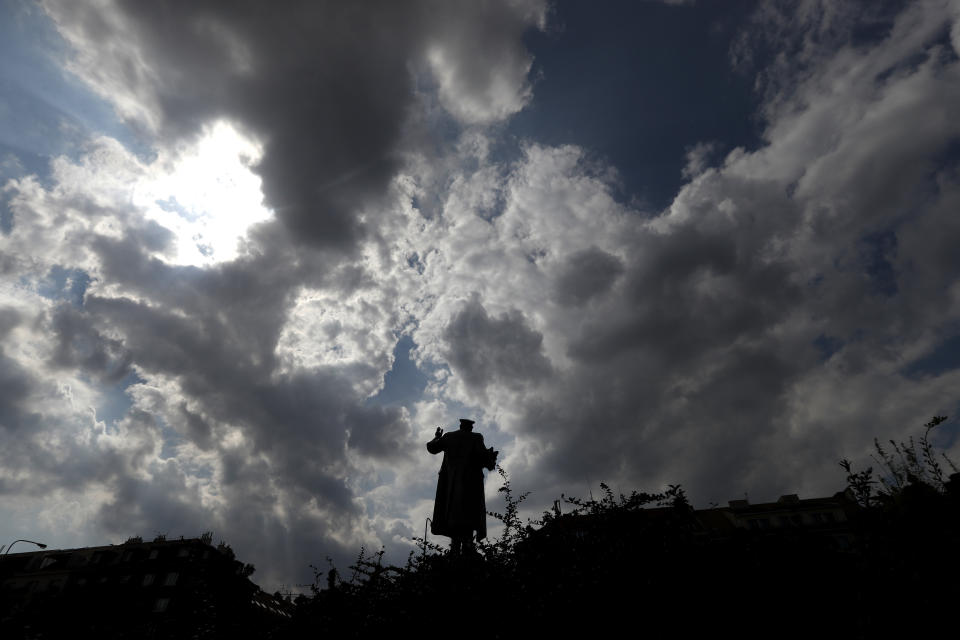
39	544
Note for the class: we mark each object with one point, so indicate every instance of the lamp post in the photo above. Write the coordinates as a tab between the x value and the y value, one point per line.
39	544
425	536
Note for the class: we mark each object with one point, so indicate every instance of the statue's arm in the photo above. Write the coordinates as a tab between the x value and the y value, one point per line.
487	456
436	445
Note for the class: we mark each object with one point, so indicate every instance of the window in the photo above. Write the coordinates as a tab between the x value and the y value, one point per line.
171	579
183	552
148	580
160	605
154	553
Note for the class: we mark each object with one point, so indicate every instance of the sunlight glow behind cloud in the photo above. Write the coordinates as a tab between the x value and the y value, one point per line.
206	195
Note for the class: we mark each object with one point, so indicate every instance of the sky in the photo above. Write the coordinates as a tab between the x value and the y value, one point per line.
251	257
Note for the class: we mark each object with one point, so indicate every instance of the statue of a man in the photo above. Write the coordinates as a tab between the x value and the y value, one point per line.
460	508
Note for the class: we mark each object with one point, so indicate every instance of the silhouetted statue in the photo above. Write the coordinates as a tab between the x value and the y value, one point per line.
460	508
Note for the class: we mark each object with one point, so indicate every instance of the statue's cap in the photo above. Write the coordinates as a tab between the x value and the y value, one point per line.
466	421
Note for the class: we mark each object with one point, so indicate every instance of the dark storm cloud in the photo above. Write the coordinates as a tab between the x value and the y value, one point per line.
678	357
79	344
198	430
644	417
9	319
484	349
379	432
587	273
688	291
327	87
149	507
15	386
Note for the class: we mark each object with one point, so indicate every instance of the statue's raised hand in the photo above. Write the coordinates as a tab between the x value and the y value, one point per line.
438	433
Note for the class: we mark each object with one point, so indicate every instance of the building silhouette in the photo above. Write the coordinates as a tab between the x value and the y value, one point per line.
162	588
829	520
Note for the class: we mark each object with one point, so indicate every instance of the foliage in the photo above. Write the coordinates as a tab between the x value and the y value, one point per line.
674	496
513	529
226	550
909	462
860	483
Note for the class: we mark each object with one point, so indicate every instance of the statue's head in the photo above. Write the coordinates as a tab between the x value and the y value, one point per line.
466	425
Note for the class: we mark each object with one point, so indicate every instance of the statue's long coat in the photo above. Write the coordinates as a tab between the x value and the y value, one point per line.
460	507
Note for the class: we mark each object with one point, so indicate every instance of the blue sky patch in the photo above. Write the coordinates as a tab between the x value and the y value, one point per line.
640	83
828	345
944	357
116	402
65	284
44	111
404	383
877	249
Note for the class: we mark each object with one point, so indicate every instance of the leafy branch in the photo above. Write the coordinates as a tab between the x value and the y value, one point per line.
907	462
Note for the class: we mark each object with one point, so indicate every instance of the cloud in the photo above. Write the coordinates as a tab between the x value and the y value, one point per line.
325	89
80	345
483	350
588	273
